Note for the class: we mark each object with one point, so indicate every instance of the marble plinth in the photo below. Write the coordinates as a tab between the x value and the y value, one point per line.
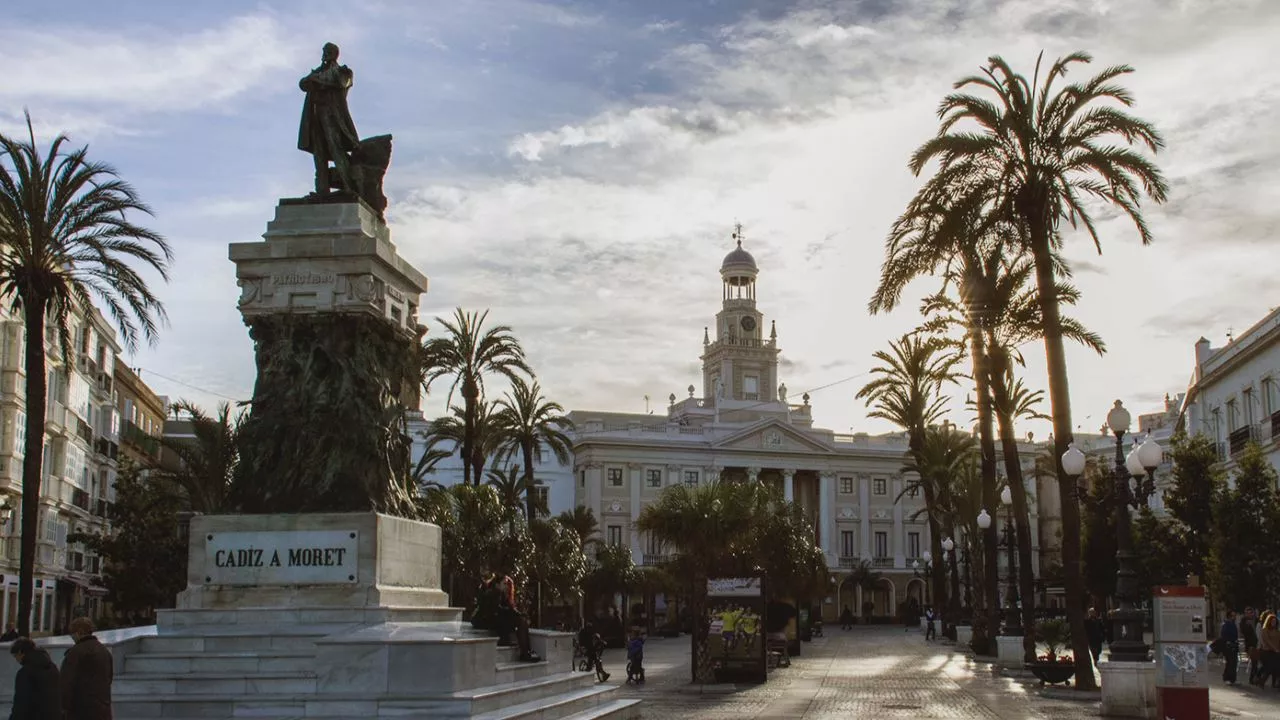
1009	651
964	635
396	563
1128	689
327	257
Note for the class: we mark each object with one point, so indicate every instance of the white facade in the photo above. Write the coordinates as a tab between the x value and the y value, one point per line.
78	484
1234	396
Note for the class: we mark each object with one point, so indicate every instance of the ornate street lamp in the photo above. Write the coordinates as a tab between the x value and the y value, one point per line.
1127	643
1013	616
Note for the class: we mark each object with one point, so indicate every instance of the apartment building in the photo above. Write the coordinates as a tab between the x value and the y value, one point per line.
1234	393
142	418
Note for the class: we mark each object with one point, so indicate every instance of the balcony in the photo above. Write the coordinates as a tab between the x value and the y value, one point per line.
882	562
102	508
1275	426
80	499
1240	437
104	383
652	559
135	436
849	562
106	448
84	431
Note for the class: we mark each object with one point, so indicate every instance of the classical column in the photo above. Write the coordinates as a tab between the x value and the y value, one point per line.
753	474
864	508
637	551
827	510
899	534
788	485
595	473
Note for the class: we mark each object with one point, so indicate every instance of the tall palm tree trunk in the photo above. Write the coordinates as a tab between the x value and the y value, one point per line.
1060	406
987	448
526	449
951	611
699	639
37	394
470	393
1022	519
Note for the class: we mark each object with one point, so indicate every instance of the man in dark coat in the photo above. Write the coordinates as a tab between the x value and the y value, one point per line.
35	687
326	130
87	671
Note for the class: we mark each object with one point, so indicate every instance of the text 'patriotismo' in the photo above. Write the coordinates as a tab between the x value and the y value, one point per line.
311	557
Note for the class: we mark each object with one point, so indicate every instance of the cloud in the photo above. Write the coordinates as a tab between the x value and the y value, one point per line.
147	69
596	227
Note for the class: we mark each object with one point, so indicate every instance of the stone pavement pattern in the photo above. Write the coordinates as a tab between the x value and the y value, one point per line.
880	673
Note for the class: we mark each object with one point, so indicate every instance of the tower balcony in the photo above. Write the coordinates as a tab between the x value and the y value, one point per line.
742	342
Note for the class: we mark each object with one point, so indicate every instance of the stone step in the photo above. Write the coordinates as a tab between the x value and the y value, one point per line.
244	640
569	704
625	709
242	684
508	672
556	689
219	662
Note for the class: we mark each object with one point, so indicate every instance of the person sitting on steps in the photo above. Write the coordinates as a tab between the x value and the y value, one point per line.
511	620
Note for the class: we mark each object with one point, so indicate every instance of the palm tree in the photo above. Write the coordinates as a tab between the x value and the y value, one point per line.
426	464
530	425
906	392
510	486
467	352
1039	151
67	240
582	521
934	234
487	435
943	456
703	523
206	461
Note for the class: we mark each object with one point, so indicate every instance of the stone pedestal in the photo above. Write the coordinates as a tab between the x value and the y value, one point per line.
333	313
964	636
1128	689
1009	650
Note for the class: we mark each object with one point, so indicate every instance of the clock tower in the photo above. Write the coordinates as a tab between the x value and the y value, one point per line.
740	359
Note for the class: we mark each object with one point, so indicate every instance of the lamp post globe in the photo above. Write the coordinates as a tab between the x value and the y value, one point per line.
948	545
1006	496
1150	453
1133	463
1073	461
984	520
1118	419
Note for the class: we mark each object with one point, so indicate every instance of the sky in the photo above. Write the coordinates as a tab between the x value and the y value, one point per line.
576	168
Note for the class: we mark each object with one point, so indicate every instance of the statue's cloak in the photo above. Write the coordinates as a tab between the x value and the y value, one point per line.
327	127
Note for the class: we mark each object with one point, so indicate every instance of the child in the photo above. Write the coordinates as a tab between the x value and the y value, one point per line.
592	645
635	658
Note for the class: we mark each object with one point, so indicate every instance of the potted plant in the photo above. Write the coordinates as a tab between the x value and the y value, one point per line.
1051	667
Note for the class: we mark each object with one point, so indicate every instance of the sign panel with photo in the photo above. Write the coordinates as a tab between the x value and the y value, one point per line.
736	616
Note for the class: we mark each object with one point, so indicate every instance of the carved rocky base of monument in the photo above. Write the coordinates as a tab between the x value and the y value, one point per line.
326	428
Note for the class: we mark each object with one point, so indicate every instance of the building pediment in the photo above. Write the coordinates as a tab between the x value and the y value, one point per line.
772	436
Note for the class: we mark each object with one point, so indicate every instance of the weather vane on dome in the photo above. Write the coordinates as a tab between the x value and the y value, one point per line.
737	233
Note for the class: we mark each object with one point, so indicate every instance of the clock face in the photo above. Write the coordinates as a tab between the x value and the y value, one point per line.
748	323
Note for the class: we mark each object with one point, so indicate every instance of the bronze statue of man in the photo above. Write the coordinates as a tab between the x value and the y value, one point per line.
327	131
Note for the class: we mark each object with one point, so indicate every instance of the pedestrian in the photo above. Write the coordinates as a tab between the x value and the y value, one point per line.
1249	634
930	629
1269	647
592	647
846	619
36	695
1096	632
635	658
1230	637
87	670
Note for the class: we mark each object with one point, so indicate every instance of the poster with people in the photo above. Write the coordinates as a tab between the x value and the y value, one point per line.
736	616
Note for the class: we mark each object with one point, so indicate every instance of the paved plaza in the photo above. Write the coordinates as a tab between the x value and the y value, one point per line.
879	673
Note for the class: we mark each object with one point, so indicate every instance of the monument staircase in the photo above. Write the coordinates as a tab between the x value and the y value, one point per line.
267	664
